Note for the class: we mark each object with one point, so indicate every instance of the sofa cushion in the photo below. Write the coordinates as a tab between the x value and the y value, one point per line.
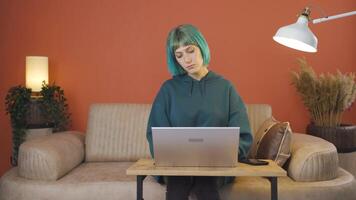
106	180
88	181
257	188
51	157
117	132
275	143
313	159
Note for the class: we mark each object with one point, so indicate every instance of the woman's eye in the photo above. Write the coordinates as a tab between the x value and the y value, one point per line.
178	55
190	50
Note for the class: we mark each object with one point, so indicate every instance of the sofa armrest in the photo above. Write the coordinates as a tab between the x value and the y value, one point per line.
51	157
313	159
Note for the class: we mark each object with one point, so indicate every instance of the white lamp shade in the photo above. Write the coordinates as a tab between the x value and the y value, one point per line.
36	72
297	36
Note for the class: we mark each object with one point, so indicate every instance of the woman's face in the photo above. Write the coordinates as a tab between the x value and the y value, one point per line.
190	58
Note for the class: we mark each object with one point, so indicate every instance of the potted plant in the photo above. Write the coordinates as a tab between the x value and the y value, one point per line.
49	110
17	105
327	97
54	107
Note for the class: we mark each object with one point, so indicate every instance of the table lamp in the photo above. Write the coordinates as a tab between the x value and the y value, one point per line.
36	72
299	36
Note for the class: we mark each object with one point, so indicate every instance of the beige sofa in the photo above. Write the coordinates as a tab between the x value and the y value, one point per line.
70	167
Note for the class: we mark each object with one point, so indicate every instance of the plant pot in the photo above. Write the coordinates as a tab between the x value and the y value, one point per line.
34	116
343	136
37	133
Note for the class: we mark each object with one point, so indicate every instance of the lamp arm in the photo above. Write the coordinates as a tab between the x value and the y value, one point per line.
315	21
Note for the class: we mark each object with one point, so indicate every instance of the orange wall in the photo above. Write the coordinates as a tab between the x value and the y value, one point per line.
114	51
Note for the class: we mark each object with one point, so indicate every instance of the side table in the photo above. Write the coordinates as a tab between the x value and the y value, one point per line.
145	167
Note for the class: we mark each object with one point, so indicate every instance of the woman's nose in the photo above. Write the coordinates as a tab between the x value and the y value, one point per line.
187	59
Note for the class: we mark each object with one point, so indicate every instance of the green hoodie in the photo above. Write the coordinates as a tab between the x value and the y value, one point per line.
211	102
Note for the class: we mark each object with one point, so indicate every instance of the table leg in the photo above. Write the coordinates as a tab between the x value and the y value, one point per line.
274	189
140	187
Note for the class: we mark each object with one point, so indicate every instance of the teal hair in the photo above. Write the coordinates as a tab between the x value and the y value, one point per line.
184	35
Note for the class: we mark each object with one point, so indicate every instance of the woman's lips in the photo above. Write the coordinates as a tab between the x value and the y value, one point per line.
190	66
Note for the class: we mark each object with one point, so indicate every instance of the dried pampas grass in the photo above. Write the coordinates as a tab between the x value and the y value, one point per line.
325	96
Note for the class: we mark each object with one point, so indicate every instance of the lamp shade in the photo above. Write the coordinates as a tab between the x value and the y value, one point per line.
36	72
297	36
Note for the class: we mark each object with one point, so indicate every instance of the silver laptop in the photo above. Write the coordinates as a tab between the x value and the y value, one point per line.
195	146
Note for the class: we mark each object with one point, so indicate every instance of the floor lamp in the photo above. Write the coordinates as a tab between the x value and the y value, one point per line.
299	36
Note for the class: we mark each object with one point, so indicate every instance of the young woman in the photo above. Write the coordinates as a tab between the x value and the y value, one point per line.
196	97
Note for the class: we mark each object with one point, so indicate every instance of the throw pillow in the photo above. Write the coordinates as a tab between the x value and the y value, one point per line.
275	143
266	125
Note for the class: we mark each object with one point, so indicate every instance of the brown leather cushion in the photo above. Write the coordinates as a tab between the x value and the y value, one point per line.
266	125
275	143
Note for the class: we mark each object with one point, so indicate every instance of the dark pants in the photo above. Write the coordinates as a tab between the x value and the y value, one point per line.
204	187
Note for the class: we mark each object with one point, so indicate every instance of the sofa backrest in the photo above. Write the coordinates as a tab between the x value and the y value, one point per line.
257	114
117	132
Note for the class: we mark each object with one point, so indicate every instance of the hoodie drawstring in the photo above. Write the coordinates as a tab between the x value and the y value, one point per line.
202	87
201	84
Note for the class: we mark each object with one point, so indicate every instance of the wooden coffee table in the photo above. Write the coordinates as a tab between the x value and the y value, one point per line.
145	167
